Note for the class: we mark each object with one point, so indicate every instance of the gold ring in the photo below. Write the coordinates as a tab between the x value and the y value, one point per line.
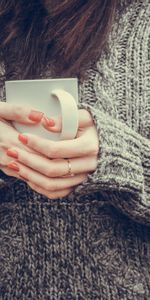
69	173
69	168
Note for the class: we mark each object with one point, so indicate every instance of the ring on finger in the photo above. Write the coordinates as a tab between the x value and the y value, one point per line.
69	166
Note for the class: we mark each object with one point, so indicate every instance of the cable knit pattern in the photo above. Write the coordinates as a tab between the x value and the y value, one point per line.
95	243
120	87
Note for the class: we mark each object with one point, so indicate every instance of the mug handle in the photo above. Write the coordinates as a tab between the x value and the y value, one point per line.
69	114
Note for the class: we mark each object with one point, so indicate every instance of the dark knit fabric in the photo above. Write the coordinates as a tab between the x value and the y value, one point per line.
95	243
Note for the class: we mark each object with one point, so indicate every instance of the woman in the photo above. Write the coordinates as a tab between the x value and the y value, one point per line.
84	236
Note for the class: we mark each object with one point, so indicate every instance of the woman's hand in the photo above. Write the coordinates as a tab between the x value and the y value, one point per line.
9	135
46	169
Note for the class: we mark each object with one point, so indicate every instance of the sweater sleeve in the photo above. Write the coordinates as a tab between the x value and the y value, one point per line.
120	107
123	170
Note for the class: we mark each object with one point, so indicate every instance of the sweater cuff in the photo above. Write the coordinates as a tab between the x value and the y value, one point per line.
119	159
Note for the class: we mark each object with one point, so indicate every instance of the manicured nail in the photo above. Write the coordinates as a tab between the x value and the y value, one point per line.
12	153
13	166
48	122
23	139
35	116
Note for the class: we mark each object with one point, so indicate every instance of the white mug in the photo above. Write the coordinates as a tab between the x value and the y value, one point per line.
53	97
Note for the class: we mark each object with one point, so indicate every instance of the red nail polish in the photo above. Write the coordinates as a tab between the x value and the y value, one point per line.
23	139
13	166
35	116
12	153
48	122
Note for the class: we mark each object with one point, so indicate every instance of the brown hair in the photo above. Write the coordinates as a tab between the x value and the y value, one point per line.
70	34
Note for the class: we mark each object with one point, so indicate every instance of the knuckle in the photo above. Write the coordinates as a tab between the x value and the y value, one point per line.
94	164
94	149
48	151
88	116
53	151
50	186
25	160
18	112
34	143
48	173
84	149
47	186
66	192
51	172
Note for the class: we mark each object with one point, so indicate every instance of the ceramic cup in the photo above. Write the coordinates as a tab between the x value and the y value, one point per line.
53	97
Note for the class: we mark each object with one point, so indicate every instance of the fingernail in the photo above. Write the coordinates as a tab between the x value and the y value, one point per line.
13	166
48	122
35	116
23	139
12	153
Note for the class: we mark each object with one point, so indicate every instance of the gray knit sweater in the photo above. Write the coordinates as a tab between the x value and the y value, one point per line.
95	243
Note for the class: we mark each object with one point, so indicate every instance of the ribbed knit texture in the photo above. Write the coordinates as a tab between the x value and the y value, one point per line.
95	243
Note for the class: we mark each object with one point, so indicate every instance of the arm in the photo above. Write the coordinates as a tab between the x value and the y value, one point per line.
123	170
121	176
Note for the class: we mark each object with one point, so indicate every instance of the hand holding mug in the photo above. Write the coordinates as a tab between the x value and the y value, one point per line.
9	135
53	97
45	170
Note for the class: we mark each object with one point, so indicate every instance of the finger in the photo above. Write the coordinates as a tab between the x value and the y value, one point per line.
22	114
12	173
53	167
50	195
43	165
9	138
78	147
55	124
52	124
85	118
49	184
9	172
